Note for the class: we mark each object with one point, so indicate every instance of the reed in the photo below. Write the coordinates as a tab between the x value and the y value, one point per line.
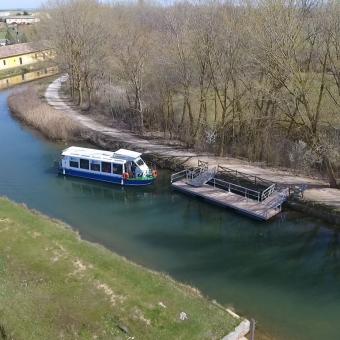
28	107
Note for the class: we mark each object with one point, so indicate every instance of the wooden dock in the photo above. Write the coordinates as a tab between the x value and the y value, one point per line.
264	210
260	201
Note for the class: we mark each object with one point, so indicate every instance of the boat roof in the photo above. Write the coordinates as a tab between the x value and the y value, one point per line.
100	155
127	154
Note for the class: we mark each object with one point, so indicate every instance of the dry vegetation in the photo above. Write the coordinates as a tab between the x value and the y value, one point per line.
28	107
254	79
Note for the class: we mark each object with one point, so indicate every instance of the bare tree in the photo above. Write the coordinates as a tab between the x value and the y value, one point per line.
75	28
256	79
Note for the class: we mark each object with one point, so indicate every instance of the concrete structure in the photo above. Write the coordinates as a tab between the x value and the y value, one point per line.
239	332
4	14
23	54
21	20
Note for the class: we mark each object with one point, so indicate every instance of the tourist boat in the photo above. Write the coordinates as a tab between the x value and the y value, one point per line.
122	167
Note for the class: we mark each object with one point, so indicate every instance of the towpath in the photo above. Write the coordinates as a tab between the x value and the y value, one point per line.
185	157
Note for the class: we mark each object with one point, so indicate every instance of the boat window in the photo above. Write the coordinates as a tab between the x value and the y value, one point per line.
106	167
95	167
84	164
140	162
117	169
74	164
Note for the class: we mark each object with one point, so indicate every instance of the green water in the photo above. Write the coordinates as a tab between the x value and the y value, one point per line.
285	274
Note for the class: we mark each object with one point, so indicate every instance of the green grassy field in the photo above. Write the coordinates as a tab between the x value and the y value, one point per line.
55	285
329	111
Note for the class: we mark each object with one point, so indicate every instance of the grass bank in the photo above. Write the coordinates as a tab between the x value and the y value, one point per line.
55	285
27	106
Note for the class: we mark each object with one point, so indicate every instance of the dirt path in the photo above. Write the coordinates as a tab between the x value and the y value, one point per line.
188	157
325	196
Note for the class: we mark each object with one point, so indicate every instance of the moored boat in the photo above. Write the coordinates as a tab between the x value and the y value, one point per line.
123	167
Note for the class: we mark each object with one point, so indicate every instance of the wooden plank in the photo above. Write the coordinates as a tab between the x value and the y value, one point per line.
258	210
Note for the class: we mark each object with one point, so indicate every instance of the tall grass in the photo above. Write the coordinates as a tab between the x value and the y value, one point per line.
56	125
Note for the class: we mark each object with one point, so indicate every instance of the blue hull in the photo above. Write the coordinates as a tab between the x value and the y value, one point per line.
107	179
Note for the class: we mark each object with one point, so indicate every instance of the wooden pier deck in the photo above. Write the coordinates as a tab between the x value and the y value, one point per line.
264	210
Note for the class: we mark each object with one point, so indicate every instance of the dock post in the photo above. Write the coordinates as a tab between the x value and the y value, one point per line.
252	329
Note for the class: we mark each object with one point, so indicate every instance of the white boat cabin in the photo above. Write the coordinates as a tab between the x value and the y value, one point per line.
105	162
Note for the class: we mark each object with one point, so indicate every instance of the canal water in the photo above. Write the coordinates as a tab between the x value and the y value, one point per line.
285	273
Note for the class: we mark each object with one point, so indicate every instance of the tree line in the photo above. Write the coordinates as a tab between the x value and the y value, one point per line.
254	79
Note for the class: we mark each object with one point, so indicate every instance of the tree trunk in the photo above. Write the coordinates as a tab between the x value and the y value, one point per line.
80	90
183	111
330	172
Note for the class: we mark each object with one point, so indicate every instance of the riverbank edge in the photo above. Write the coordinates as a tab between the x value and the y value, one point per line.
167	160
88	135
242	325
169	156
313	208
28	108
180	163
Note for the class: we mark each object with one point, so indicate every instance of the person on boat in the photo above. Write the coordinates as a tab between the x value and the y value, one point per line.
128	169
133	169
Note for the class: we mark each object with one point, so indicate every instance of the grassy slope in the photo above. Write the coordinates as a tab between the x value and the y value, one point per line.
55	285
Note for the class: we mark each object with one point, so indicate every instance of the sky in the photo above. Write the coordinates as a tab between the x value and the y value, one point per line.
8	4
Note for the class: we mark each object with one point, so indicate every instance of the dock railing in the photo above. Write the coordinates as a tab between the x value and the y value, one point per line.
240	190
267	192
250	178
280	199
202	164
190	173
187	174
